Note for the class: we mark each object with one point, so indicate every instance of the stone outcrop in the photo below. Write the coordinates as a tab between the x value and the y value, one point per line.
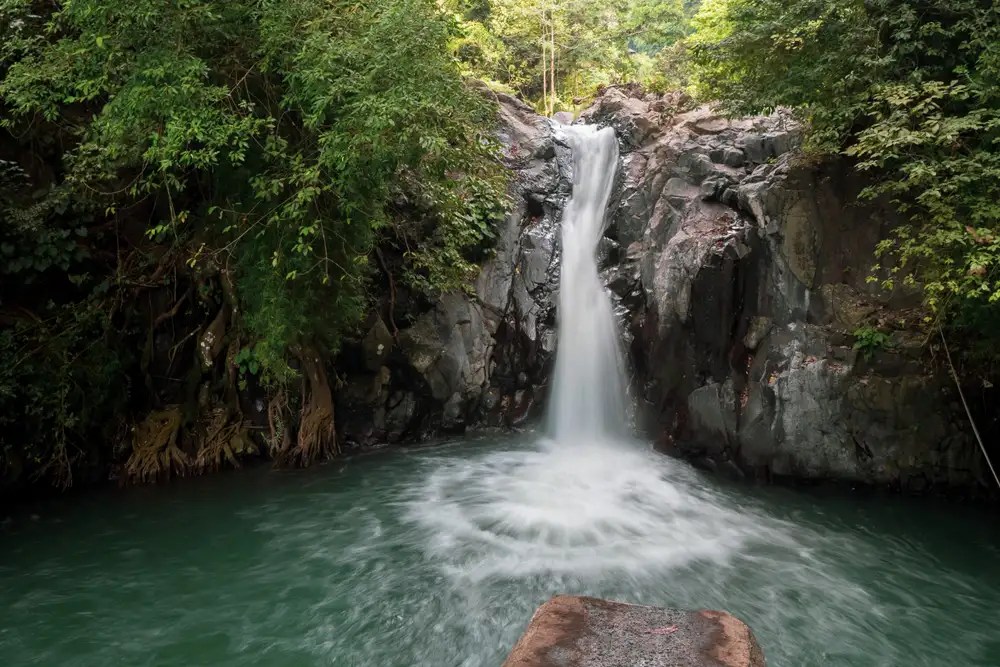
740	273
752	261
587	632
481	358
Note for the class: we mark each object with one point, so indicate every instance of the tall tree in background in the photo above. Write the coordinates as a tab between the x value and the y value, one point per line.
559	52
911	90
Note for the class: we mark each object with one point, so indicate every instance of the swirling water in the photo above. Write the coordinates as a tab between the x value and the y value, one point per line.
437	557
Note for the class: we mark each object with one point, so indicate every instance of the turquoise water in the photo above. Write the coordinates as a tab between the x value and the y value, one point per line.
438	556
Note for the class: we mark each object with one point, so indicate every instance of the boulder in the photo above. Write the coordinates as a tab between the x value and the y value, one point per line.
572	631
377	345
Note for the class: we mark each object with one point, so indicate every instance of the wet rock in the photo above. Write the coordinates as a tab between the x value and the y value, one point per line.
377	345
459	361
738	273
360	408
751	266
587	632
607	252
400	415
757	329
491	399
452	415
521	409
710	409
537	262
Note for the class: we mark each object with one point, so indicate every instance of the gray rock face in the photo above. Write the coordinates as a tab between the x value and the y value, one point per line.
752	265
739	273
483	357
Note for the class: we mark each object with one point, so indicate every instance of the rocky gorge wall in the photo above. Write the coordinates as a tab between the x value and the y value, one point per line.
753	262
480	358
740	273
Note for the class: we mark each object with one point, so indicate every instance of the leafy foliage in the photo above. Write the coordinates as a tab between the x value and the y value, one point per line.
912	91
563	51
275	141
869	340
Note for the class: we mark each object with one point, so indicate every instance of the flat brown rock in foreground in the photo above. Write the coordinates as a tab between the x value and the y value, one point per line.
570	631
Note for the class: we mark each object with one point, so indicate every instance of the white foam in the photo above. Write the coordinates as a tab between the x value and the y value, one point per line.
593	509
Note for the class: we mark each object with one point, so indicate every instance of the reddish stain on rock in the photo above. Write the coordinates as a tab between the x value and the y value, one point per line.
569	631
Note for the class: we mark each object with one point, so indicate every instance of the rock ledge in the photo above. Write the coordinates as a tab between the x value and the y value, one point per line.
569	631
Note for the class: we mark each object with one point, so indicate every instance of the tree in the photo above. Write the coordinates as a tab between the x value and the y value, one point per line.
278	142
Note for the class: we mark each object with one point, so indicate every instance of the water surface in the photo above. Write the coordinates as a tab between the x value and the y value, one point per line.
437	557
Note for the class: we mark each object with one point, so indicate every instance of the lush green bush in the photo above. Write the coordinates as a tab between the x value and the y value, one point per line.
276	141
868	340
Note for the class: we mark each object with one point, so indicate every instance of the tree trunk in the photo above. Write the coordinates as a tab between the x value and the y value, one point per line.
545	70
317	437
552	63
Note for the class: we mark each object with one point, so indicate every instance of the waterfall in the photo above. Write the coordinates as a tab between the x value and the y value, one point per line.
588	396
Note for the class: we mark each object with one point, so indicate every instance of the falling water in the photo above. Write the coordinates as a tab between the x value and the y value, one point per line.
589	390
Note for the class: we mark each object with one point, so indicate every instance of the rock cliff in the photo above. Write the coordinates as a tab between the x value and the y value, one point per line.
483	357
753	264
740	270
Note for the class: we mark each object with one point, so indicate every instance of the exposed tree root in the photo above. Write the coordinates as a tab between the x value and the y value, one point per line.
278	420
317	438
155	454
163	317
59	468
222	441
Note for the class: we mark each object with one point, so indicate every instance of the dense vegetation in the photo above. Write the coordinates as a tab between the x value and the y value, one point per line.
558	53
911	90
175	167
200	201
